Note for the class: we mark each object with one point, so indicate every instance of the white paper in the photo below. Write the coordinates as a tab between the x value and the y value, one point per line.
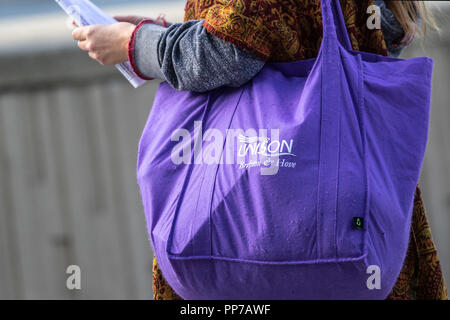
85	13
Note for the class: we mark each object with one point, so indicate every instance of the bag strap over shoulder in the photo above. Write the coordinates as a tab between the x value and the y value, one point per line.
334	24
334	32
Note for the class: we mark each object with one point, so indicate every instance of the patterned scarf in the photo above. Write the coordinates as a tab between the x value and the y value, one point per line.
282	30
290	30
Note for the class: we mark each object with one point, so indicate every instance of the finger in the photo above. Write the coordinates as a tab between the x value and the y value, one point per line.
122	18
92	55
83	45
95	57
80	33
131	19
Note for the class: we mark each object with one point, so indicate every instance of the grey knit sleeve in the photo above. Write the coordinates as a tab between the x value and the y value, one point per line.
189	58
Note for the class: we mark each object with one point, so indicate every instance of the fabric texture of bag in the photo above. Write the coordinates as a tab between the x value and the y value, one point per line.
317	204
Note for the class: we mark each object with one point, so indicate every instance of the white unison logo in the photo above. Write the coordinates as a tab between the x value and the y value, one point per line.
264	146
248	148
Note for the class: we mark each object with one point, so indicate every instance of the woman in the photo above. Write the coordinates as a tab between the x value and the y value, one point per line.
226	43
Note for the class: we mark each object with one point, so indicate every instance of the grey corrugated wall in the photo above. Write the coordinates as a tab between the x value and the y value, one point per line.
68	139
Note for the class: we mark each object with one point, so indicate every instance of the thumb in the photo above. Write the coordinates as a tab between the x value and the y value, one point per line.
131	19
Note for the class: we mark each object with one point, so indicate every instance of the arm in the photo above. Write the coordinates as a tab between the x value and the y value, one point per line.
188	57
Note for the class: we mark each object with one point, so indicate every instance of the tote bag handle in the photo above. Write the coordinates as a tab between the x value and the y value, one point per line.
334	32
333	23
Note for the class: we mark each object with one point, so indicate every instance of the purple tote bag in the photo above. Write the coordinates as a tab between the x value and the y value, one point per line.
297	185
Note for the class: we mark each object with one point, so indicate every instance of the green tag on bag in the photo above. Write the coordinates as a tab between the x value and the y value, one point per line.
358	223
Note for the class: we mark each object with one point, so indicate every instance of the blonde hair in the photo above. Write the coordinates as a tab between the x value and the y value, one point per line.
408	14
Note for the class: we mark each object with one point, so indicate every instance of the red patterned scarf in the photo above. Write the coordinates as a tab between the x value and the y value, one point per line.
282	30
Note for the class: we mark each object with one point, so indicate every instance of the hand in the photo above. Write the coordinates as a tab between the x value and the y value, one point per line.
108	44
130	19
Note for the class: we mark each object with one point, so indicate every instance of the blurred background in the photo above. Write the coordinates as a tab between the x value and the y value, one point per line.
69	130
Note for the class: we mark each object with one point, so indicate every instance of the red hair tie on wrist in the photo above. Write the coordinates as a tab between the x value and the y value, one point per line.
159	21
